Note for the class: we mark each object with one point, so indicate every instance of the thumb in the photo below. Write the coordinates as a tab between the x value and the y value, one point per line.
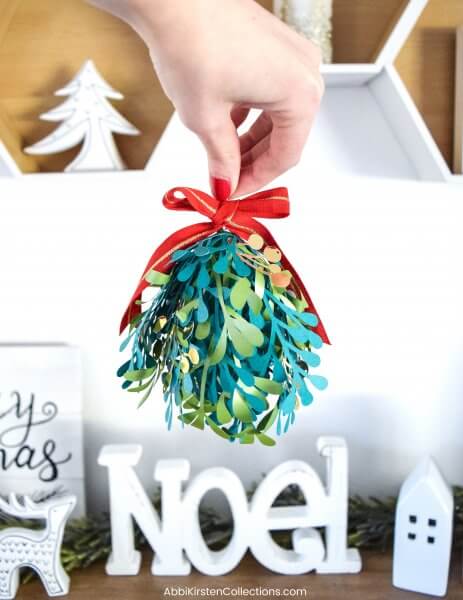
220	139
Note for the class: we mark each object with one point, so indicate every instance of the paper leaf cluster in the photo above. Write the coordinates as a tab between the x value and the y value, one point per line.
229	338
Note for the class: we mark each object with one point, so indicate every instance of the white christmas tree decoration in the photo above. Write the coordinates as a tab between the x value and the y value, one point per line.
86	117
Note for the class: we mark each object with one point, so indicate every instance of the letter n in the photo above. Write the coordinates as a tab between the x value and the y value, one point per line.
128	501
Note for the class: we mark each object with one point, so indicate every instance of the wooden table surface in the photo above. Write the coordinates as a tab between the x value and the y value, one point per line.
373	583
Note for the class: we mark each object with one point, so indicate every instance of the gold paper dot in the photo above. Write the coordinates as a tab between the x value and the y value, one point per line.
274	268
272	254
162	321
184	364
282	279
256	241
193	355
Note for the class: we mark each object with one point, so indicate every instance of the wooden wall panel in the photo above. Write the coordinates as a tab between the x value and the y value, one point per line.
427	66
359	27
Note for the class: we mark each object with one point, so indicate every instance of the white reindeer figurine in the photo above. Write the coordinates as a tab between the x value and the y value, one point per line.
37	549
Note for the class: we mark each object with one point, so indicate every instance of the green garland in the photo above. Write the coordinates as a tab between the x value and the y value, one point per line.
371	526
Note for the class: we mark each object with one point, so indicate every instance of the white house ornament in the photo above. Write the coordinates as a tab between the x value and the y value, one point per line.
423	531
86	117
37	549
177	540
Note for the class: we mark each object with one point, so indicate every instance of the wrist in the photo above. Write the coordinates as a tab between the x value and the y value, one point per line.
148	16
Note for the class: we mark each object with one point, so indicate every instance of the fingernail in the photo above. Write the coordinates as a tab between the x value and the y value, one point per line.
221	188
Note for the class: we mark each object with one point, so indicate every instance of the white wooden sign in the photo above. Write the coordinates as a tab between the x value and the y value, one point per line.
41	420
178	542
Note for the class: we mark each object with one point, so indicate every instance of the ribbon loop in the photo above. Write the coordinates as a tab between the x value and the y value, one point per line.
238	216
225	212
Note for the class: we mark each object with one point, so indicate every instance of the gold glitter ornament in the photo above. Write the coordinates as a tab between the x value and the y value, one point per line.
310	18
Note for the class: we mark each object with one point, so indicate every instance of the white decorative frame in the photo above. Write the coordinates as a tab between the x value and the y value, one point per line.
388	90
458	143
392	120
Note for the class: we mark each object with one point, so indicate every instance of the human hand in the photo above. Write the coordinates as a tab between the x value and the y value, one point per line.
216	61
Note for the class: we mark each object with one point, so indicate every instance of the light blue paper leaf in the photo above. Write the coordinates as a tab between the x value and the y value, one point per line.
315	340
203	278
202	312
309	319
221	265
318	381
186	272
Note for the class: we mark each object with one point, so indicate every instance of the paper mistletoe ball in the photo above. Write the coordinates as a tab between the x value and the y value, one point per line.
231	331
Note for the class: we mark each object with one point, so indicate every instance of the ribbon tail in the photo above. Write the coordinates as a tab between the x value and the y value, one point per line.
320	328
161	260
244	229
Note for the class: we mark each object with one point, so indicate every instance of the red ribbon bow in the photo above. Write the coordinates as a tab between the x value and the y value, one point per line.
237	216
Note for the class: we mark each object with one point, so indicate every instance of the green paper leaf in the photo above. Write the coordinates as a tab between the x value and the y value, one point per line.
216	429
198	422
219	351
265	439
184	312
240	343
188	417
259	284
138	374
191	402
240	408
255	303
156	278
268	385
142	387
239	293
146	394
202	330
268	420
246	438
223	414
249	331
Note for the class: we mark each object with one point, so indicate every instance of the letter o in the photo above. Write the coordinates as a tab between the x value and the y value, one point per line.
205	560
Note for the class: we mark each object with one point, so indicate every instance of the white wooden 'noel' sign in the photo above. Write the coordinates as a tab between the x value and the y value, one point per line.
177	539
41	420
